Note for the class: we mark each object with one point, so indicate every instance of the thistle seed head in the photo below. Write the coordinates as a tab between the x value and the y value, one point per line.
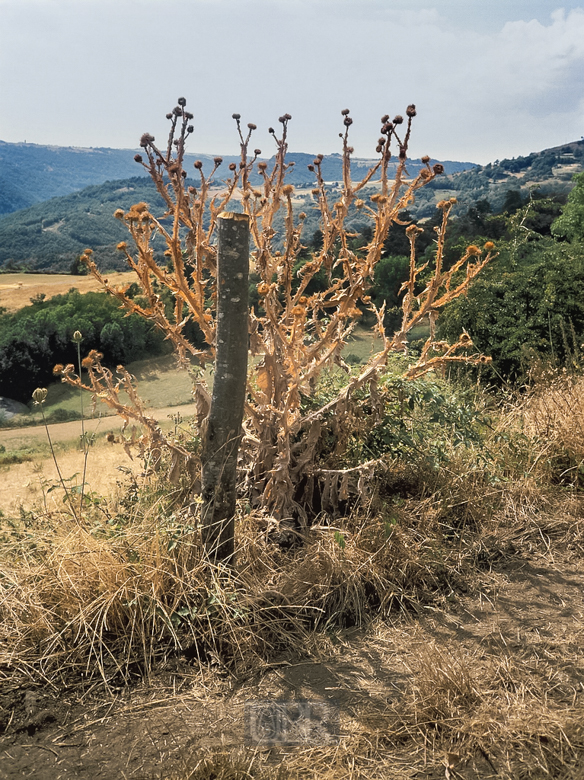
40	395
138	158
77	337
438	169
397	120
181	101
411	110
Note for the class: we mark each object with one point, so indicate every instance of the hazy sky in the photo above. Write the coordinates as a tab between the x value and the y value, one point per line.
490	78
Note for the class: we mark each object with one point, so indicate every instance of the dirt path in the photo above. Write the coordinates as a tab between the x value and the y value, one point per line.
68	431
518	639
29	483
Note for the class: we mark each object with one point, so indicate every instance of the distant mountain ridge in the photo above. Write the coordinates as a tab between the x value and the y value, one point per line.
550	171
33	173
51	234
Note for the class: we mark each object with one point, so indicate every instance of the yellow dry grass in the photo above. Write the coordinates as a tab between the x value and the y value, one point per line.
25	484
17	289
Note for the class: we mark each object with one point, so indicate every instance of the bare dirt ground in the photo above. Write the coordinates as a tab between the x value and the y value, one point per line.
520	634
17	289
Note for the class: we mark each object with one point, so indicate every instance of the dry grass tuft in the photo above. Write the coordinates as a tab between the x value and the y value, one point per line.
553	415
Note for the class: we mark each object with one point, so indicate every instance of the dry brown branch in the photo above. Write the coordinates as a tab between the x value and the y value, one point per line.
294	334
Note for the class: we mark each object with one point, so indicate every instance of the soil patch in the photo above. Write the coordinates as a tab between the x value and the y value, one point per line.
517	640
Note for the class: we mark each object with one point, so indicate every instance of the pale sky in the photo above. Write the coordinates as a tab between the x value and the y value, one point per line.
490	78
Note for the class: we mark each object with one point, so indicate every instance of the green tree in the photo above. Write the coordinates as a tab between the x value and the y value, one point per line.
570	224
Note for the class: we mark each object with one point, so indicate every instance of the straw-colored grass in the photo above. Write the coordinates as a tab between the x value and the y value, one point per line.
127	592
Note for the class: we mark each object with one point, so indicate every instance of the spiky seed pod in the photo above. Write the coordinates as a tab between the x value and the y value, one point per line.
169	116
411	110
316	193
288	117
237	117
40	395
271	130
118	214
359	203
310	168
413	230
350	149
316	161
287	189
183	173
257	152
320	157
251	126
177	111
378	149
397	120
146	139
473	250
347	121
381	141
489	246
384	119
198	164
121	246
453	201
217	160
89	251
262	166
302	215
77	337
438	169
58	369
181	101
190	129
138	158
281	119
232	166
425	159
188	115
345	111
425	173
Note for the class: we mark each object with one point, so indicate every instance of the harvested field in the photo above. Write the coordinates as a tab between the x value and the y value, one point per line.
17	289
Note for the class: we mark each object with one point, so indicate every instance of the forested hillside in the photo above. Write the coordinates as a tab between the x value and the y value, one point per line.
32	173
505	182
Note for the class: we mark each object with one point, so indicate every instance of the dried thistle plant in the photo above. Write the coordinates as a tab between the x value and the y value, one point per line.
294	333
